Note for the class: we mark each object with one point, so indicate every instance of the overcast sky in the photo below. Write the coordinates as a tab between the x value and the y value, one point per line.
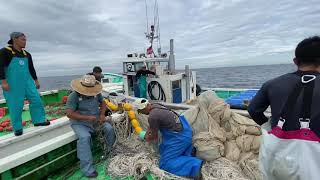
71	36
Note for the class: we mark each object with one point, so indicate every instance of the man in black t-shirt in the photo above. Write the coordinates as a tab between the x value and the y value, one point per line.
142	77
97	72
176	150
290	150
276	91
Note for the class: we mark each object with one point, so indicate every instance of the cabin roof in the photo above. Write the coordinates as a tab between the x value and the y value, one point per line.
133	59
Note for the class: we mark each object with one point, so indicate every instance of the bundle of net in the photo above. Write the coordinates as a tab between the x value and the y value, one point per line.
131	156
227	141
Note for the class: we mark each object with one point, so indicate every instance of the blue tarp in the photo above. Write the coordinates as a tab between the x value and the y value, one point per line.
237	101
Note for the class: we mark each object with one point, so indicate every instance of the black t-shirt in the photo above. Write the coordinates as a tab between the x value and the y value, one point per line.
6	57
161	117
275	93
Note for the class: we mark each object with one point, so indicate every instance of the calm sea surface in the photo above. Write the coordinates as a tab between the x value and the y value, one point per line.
226	77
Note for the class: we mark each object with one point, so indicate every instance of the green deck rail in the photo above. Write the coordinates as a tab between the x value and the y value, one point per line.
59	164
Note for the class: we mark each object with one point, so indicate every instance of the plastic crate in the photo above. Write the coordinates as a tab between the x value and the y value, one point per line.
241	100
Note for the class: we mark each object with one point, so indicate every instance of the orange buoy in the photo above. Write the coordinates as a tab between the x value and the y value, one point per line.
64	99
138	130
5	124
9	128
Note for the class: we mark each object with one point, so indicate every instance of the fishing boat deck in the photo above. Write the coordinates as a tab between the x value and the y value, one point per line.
53	107
41	149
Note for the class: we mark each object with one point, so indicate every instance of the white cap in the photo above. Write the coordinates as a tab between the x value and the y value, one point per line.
141	103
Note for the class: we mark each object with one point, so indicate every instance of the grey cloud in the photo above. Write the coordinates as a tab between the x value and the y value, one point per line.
69	37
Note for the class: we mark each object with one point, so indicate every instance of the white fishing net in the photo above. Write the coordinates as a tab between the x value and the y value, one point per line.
226	141
220	133
133	157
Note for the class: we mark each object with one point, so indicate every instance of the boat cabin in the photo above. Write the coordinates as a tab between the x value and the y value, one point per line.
167	85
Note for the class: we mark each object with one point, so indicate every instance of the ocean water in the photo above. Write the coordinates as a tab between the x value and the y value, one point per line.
52	83
226	77
241	77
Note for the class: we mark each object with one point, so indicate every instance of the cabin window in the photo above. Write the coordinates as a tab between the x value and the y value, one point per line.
176	84
105	80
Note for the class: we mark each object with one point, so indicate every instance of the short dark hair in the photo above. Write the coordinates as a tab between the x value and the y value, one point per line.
97	69
308	51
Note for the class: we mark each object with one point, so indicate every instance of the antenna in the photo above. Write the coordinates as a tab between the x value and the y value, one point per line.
154	33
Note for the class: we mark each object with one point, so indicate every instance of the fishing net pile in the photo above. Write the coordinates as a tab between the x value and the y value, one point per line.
129	155
220	133
227	142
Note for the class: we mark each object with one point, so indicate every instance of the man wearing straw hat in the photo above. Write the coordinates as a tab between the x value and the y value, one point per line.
85	108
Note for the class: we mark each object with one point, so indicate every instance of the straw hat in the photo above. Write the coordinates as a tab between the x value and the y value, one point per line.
87	85
141	103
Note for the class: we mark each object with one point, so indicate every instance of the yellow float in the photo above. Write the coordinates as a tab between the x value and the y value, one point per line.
127	106
134	122
131	115
112	106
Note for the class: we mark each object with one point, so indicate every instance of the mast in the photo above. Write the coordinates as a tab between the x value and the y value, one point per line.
154	33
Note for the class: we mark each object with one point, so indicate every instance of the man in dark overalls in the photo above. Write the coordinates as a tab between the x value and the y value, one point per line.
86	108
176	148
142	80
97	73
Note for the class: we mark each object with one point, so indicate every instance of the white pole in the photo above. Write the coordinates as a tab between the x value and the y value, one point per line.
187	72
171	58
